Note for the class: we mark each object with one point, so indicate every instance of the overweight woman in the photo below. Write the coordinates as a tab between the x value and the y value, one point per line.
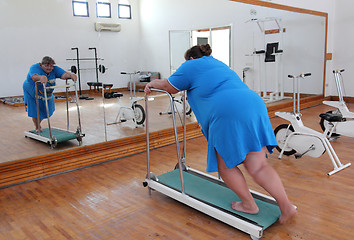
235	122
43	72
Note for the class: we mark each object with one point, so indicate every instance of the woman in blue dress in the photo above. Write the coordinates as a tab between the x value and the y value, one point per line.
234	120
44	72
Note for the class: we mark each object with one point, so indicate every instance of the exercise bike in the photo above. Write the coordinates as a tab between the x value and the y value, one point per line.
297	139
178	106
131	111
340	121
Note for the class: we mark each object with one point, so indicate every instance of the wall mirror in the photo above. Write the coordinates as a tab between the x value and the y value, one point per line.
267	43
301	36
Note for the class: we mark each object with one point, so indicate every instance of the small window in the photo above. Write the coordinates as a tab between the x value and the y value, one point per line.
103	9
80	9
124	11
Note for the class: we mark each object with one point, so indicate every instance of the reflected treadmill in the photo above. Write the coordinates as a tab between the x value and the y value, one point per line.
51	135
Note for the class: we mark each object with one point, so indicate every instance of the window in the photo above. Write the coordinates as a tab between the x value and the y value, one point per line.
103	9
80	9
124	11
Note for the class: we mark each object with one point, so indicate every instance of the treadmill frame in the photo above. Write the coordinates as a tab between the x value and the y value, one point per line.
152	182
52	141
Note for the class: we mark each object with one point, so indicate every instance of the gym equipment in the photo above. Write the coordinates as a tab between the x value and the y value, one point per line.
108	95
144	78
270	58
93	48
340	121
14	101
296	138
101	68
74	70
19	101
96	84
204	192
132	111
108	91
52	135
178	102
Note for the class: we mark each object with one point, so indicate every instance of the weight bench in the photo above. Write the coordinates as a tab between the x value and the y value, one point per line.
96	86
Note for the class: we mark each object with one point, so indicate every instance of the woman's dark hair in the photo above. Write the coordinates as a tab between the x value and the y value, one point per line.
48	60
198	51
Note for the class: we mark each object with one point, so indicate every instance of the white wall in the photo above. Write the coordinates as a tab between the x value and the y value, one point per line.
343	51
33	29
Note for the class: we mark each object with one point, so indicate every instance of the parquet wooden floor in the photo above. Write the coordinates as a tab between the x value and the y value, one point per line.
108	201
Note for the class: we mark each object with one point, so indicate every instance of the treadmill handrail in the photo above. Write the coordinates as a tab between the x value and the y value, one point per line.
175	132
60	86
74	84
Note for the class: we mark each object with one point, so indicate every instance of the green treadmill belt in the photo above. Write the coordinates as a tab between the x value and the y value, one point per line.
219	196
60	135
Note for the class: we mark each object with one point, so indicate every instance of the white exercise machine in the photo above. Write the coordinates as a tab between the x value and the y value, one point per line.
52	135
178	101
295	138
340	121
131	111
268	62
206	193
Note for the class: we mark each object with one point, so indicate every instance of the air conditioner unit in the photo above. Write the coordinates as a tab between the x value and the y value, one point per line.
113	27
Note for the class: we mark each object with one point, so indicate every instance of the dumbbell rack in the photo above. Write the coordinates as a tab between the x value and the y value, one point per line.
77	69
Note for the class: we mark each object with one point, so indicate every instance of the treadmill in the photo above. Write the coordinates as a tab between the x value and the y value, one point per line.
207	193
52	135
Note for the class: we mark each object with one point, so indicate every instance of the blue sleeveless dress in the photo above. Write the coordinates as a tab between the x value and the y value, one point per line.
233	118
29	92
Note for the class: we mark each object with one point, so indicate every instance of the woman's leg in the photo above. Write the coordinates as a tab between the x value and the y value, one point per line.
264	175
35	122
235	180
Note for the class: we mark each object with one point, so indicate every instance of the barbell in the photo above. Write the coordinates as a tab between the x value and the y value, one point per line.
101	68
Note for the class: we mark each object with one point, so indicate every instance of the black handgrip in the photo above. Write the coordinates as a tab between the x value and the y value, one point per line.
307	74
259	52
334	71
290	76
130	73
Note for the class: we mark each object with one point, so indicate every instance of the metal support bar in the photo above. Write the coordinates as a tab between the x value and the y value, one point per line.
93	48
175	132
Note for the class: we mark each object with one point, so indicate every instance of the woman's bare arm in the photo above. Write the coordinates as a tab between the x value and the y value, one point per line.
162	84
68	75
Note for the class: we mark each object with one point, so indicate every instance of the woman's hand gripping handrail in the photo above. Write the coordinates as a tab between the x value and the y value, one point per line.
60	86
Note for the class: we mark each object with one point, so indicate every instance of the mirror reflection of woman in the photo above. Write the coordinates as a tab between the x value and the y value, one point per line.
235	121
44	72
